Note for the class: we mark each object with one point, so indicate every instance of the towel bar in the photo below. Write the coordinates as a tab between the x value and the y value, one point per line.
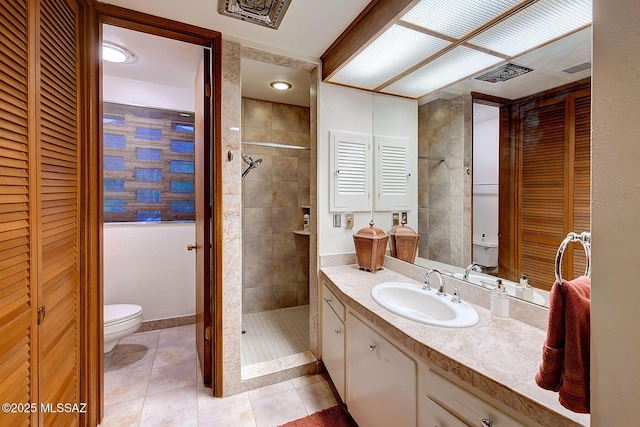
585	239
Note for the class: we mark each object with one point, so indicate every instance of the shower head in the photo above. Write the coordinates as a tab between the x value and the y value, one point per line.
252	164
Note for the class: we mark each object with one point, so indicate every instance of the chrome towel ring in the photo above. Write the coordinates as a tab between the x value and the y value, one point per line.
585	239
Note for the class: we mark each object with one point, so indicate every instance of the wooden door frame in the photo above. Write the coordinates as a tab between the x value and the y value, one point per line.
92	315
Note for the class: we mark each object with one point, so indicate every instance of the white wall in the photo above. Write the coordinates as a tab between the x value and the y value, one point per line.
148	264
485	180
146	94
615	227
352	110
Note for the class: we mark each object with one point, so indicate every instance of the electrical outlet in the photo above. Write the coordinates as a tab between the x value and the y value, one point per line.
403	219
396	218
349	220
337	220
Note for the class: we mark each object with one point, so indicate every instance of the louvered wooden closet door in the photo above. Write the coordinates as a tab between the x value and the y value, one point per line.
39	210
582	177
16	291
59	209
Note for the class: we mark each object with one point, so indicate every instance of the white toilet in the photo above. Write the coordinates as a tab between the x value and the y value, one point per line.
120	320
485	254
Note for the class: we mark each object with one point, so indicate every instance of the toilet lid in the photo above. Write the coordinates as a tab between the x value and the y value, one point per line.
116	313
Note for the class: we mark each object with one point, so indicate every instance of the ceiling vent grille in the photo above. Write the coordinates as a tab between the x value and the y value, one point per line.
268	13
503	73
578	68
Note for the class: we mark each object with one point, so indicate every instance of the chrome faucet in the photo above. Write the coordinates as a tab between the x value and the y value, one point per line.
472	266
441	291
426	286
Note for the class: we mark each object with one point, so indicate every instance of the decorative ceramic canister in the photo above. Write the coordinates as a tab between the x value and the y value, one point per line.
404	242
371	245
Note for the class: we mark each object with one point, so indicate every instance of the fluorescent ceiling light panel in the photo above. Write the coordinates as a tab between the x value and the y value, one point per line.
539	23
457	64
395	51
456	18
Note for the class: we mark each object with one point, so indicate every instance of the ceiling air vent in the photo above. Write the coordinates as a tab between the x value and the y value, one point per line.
504	73
578	68
268	13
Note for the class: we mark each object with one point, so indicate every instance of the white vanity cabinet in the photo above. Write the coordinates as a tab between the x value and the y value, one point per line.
445	404
333	336
381	380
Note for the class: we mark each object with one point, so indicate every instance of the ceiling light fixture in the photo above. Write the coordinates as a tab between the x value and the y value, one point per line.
280	85
116	54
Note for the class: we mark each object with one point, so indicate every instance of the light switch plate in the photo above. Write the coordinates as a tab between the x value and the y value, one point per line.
337	220
403	218
349	220
396	218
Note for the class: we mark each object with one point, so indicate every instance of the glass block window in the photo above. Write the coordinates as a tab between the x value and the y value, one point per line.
148	164
148	154
181	166
114	141
149	134
149	196
186	147
182	187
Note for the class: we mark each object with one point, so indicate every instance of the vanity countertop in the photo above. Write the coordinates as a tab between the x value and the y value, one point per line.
498	358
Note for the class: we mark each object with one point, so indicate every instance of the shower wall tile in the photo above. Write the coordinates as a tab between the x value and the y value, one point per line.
259	247
285	137
440	249
285	169
231	213
439	223
257	221
303	140
257	274
285	270
439	195
263	172
304	122
258	299
286	220
285	194
285	117
257	113
257	194
285	295
256	134
284	245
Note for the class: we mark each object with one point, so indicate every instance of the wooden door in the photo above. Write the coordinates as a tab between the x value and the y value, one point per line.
17	236
58	210
203	177
39	211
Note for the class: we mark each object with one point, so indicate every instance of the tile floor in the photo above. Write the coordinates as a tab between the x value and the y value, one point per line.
153	379
274	334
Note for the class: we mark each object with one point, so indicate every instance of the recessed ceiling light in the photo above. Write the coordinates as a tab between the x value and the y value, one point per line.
117	54
279	85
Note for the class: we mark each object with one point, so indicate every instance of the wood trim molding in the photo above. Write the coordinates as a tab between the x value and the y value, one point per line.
375	18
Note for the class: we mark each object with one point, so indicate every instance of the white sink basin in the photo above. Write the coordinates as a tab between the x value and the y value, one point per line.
411	302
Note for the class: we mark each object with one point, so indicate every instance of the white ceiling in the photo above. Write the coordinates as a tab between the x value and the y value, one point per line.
308	29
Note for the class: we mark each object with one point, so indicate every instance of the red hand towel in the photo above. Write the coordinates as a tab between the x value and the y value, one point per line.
565	355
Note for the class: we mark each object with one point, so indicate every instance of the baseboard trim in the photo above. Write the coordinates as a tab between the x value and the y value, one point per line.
171	322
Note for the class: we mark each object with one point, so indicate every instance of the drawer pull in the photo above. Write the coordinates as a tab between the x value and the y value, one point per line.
372	347
338	331
329	300
487	422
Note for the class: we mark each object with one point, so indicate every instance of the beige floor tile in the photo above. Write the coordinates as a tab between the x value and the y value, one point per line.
123	386
177	335
227	411
193	422
175	354
278	409
306	380
316	397
169	407
129	362
123	414
138	342
172	377
270	390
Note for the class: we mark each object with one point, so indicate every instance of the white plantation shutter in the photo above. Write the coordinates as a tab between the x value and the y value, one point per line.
393	178
350	171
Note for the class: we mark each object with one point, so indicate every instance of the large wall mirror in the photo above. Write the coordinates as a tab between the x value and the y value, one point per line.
503	171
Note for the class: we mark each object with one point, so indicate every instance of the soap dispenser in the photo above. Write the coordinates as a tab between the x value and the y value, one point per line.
520	287
527	289
500	301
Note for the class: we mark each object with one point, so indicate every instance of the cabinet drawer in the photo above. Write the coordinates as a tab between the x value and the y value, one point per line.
333	335
434	415
333	302
465	405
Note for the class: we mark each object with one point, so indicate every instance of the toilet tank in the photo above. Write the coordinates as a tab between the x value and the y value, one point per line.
485	254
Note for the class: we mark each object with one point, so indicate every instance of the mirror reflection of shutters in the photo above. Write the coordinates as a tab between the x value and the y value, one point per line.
392	173
351	166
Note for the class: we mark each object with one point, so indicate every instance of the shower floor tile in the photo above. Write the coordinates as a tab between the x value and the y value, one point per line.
273	334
